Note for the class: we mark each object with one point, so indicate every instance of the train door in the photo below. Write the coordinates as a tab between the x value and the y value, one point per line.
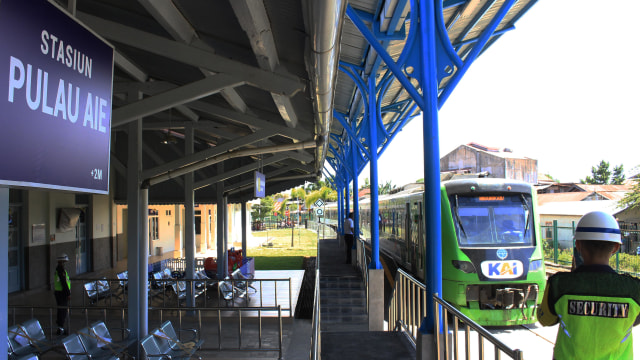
420	245
407	234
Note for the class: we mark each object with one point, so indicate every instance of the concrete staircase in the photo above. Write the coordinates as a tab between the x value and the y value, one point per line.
344	322
343	304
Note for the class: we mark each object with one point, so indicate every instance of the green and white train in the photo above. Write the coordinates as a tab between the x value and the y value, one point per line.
492	258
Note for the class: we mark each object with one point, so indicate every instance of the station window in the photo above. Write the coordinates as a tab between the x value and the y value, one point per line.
154	233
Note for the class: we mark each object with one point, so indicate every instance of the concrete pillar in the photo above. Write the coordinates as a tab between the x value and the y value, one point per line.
222	250
376	300
137	233
243	217
189	219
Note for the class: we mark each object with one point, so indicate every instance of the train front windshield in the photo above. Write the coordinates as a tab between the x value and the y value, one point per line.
496	220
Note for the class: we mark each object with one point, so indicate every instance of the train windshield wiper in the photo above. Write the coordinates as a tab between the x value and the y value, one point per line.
455	207
526	208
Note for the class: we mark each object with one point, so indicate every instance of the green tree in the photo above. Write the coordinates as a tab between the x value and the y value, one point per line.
325	193
618	175
632	198
552	178
366	184
386	188
602	174
260	211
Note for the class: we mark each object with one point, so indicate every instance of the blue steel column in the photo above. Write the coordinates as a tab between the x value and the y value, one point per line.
339	215
432	218
356	207
346	201
4	266
373	170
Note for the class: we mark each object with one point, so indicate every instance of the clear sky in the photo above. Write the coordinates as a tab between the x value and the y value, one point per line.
562	88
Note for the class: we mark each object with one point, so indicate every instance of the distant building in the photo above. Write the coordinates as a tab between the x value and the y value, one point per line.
476	158
566	215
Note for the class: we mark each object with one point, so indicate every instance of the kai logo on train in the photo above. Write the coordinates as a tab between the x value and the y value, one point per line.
502	269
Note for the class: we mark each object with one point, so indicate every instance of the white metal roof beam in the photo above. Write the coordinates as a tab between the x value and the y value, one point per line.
248	120
239	171
158	159
129	67
254	21
178	96
172	20
305	168
166	13
280	82
208	153
252	121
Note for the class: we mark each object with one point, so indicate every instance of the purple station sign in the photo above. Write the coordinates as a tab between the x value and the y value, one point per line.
56	81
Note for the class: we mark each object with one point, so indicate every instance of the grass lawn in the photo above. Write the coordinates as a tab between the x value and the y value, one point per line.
281	256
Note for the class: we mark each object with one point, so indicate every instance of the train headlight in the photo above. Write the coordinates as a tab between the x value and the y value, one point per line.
464	266
535	265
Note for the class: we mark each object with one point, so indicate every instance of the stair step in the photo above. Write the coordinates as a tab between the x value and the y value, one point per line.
343	310
342	293
344	301
334	319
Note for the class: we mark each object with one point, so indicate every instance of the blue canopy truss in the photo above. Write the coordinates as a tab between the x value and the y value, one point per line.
399	59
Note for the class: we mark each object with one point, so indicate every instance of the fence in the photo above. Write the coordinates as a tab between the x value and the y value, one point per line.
409	306
498	346
558	243
172	292
234	330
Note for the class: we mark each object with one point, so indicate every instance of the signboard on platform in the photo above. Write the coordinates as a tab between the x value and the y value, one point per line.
56	81
319	203
319	212
260	184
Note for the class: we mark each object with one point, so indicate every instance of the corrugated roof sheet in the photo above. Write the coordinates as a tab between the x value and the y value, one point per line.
561	197
578	208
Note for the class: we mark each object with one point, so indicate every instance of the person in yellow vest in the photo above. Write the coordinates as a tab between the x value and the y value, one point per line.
596	308
62	292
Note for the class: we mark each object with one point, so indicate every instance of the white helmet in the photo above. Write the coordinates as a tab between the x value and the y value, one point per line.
63	257
598	225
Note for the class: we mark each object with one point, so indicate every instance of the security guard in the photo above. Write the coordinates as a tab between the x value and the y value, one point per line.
596	307
62	292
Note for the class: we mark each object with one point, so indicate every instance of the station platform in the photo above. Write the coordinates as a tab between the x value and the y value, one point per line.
344	323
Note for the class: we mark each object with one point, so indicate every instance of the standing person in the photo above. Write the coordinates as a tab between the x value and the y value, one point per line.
62	292
348	235
595	306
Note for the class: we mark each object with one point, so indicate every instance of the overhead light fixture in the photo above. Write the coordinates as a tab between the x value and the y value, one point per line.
168	137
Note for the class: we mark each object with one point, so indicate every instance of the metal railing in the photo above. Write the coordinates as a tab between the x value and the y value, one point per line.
363	265
315	335
232	321
409	306
162	292
498	346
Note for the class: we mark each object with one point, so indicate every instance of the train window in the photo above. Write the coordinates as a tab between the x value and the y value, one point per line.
496	221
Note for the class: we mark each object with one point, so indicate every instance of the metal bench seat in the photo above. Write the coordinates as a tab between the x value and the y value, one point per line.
98	341
28	338
75	350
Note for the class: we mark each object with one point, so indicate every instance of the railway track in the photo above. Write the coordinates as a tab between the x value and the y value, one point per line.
551	268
